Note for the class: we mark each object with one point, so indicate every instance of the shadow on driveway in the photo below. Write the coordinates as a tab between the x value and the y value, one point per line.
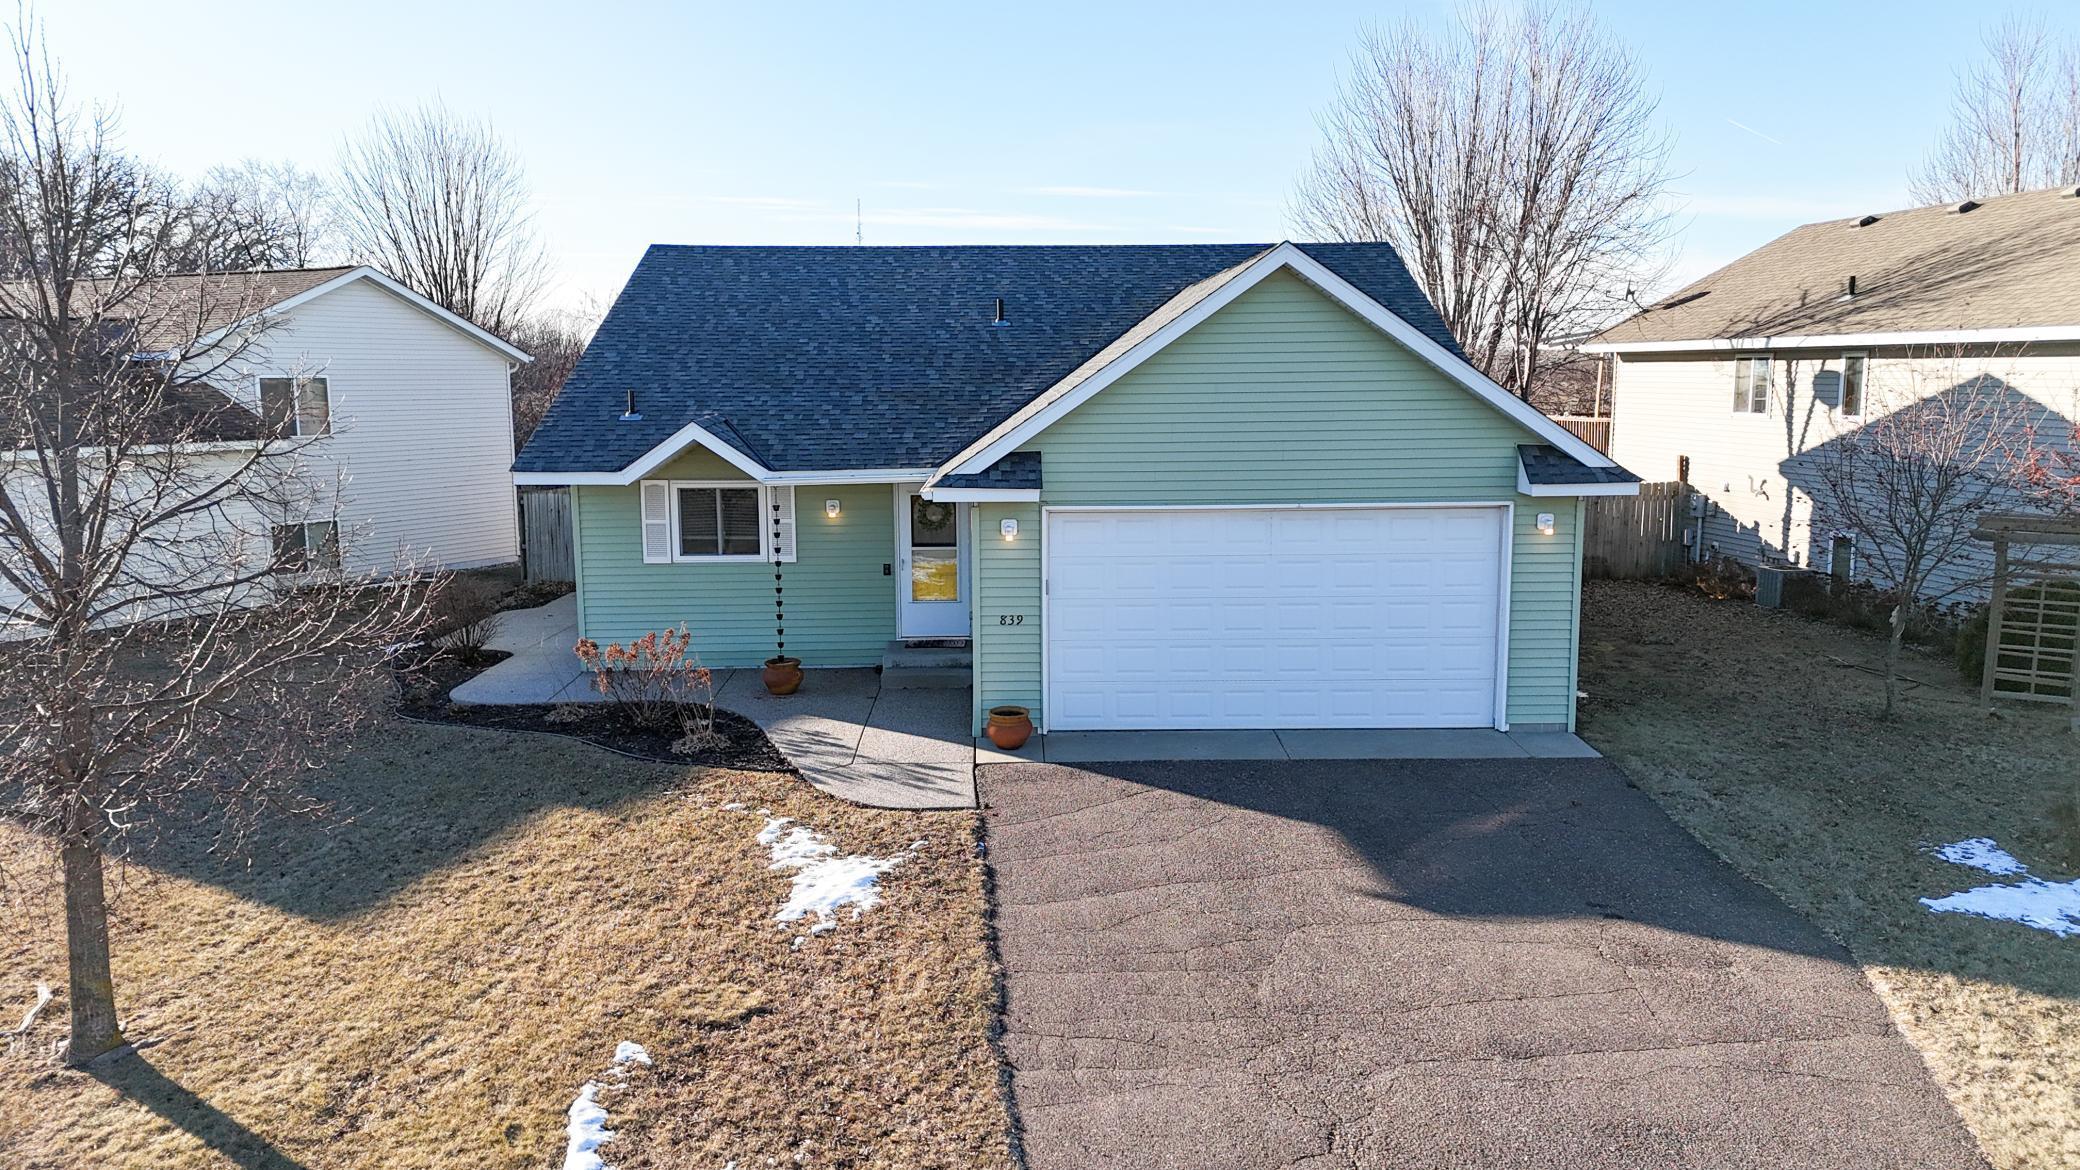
1444	963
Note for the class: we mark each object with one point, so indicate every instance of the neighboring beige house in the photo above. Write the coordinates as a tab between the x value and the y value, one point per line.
1734	378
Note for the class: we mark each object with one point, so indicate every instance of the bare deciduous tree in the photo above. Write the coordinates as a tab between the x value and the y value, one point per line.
160	675
557	341
438	202
2015	119
1515	164
1942	447
255	215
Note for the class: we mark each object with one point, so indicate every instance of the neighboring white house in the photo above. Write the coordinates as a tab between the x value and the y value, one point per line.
416	404
407	409
1736	380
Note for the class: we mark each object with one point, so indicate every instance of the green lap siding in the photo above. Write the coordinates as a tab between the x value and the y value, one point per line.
1283	396
840	609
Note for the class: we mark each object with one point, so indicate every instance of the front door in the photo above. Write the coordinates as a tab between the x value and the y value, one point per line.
932	576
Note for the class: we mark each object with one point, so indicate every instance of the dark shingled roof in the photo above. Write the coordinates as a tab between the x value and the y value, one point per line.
1551	465
1020	469
816	359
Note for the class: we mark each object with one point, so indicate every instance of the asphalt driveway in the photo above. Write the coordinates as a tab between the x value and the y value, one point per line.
1438	963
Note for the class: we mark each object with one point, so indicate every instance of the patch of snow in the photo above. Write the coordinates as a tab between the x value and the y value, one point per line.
733	806
2050	906
587	1130
1982	854
824	881
2033	902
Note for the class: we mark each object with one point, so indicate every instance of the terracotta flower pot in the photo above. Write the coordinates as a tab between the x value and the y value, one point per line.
782	675
1009	727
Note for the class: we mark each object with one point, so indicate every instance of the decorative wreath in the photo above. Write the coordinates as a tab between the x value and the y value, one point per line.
934	513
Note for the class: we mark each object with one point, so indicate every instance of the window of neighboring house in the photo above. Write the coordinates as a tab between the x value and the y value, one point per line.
1751	384
1854	367
306	548
717	522
293	408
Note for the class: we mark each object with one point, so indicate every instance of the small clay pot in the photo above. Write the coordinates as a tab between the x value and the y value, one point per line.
1009	727
782	675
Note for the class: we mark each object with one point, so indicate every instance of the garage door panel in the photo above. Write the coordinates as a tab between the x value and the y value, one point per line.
1380	617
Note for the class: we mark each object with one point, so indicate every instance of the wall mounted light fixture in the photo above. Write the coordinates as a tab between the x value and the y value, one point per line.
1009	528
1545	523
831	509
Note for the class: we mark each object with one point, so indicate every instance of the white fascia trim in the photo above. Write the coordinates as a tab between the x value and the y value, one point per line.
1044	411
2019	335
982	495
1526	487
459	324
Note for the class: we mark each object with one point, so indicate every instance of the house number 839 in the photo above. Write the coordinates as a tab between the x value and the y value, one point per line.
1011	619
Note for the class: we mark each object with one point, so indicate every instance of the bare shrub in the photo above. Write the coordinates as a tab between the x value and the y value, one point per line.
466	617
656	681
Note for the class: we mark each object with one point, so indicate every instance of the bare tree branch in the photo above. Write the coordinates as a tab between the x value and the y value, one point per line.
438	202
1516	166
2015	119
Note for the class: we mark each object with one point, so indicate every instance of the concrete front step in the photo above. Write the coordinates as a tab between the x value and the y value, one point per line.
904	656
925	678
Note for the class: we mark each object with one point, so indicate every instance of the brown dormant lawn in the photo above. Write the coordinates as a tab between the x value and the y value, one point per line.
1759	732
431	983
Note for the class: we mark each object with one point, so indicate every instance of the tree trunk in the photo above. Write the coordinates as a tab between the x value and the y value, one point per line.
1892	650
93	988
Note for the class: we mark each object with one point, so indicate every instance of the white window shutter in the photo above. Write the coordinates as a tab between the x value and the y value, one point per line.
782	503
657	522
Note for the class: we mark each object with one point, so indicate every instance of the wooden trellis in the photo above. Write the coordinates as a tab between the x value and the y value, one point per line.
2033	620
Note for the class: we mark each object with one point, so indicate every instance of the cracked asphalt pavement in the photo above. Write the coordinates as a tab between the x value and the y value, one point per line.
1423	963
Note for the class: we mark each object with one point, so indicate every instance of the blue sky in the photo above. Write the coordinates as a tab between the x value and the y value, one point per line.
977	122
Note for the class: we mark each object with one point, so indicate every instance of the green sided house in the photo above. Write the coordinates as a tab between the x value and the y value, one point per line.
1193	486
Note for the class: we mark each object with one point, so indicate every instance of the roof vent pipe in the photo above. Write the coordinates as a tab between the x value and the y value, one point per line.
1850	289
1000	319
631	414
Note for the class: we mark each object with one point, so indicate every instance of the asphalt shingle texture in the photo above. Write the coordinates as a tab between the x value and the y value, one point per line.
1544	464
1020	469
814	359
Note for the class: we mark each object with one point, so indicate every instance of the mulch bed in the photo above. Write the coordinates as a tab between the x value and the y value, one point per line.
424	683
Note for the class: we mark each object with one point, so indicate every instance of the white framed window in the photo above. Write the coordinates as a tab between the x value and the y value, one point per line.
295	408
715	521
718	522
1751	384
307	548
1855	370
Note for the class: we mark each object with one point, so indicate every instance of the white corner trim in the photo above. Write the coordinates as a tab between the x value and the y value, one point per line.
2013	336
1059	400
374	276
981	495
1526	487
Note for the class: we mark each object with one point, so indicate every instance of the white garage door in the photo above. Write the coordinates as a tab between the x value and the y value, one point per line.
1329	617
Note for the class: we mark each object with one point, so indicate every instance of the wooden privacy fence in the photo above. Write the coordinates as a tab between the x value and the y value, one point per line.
1636	537
1593	429
545	534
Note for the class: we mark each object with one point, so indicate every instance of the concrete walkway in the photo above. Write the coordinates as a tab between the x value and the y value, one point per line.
1089	747
848	737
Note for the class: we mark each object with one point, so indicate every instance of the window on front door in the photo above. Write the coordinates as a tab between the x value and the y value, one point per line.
935	555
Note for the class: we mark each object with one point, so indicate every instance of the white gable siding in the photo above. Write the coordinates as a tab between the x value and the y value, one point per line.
422	427
1669	406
